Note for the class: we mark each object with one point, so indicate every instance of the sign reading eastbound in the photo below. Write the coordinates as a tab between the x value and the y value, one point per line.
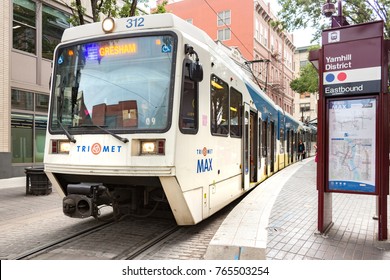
352	64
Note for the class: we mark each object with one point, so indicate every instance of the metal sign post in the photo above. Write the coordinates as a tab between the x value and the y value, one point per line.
353	122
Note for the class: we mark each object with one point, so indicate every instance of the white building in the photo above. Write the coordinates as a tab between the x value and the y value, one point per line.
305	104
29	32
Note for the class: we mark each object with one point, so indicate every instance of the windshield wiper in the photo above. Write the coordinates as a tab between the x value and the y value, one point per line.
124	140
70	137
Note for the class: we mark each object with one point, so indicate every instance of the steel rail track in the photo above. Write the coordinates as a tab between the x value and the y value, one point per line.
46	247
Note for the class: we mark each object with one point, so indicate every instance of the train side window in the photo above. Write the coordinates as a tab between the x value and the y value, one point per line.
235	113
188	118
281	140
264	138
219	106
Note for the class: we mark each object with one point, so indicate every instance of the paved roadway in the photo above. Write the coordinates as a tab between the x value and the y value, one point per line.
277	219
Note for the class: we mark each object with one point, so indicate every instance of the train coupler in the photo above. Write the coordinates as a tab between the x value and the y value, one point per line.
82	200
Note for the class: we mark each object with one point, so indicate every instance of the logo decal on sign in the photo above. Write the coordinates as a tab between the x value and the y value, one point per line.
342	76
334	36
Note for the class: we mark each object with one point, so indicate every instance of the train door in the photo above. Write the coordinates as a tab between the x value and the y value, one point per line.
246	148
292	147
253	146
264	145
272	147
288	147
259	145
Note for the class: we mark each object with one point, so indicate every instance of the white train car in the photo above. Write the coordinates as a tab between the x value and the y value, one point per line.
148	111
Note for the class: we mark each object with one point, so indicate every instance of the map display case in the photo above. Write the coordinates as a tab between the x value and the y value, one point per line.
352	145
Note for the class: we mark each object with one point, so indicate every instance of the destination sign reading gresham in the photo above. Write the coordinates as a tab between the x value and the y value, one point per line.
352	145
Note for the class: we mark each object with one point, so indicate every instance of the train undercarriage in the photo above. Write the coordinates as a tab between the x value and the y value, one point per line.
126	196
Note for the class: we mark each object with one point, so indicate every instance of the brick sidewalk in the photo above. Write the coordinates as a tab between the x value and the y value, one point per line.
293	224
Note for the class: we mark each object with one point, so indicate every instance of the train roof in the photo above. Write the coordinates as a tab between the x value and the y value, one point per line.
123	25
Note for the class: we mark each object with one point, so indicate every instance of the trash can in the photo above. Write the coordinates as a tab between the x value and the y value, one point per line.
37	182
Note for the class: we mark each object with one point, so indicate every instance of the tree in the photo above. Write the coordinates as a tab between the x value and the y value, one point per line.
296	14
112	8
307	81
161	9
308	78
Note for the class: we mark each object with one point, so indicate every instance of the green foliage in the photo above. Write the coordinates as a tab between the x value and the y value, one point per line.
308	80
296	14
127	8
161	9
78	12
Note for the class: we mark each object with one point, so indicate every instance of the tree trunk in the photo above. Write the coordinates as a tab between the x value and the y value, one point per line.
133	8
80	12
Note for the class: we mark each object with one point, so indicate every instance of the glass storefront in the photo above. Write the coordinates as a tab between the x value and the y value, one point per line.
28	126
37	29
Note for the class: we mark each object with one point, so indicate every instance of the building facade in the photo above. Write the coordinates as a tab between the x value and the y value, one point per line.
247	25
305	104
29	32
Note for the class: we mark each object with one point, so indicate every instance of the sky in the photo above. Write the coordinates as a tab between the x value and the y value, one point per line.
302	37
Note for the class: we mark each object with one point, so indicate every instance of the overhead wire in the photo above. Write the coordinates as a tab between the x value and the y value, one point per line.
215	12
243	66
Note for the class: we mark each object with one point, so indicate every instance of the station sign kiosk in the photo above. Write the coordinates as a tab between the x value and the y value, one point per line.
353	118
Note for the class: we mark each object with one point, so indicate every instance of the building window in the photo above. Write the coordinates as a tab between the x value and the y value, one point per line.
28	127
24	26
224	34
265	37
54	22
304	107
219	106
303	63
257	29
22	100
224	18
41	103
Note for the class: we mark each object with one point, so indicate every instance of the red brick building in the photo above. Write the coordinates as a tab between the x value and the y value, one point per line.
247	26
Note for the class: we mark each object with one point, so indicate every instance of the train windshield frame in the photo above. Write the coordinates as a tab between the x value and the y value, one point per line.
121	84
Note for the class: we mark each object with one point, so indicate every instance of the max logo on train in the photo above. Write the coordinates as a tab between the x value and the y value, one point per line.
204	164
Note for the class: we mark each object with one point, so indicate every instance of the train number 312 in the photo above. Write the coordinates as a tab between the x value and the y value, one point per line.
135	22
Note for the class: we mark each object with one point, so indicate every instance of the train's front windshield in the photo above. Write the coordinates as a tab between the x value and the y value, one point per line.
122	84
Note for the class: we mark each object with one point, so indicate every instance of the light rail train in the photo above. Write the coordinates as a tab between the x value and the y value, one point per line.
150	112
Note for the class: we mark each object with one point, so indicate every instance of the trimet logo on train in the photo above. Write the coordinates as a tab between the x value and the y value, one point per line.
204	164
96	149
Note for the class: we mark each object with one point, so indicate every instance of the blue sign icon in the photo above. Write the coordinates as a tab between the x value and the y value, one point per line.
60	59
166	49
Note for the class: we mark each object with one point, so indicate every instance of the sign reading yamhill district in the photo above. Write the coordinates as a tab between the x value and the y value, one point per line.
352	62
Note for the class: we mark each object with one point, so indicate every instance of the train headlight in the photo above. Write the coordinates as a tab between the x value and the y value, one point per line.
108	24
60	147
152	147
64	147
148	147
